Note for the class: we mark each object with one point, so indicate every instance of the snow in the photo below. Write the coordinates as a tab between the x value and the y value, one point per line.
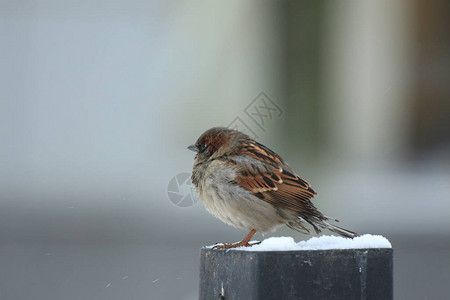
325	242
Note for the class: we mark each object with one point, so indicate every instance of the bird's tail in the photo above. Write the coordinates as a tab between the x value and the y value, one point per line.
339	230
319	223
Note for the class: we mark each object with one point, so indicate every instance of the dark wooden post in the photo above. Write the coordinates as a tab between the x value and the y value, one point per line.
350	274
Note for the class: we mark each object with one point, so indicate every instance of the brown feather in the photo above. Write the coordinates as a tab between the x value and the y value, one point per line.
277	184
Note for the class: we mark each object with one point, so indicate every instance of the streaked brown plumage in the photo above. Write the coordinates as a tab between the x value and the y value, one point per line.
248	186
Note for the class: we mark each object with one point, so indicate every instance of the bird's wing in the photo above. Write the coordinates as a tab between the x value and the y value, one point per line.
267	176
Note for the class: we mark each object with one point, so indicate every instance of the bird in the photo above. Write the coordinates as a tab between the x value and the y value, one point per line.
248	186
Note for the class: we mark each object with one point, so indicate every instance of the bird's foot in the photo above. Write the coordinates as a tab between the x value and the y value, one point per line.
235	245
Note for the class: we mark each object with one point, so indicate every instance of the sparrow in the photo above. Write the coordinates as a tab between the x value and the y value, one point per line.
248	186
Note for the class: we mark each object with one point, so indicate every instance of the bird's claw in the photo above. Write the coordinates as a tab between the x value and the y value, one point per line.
235	245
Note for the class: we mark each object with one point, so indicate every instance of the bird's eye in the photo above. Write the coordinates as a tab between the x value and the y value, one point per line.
201	147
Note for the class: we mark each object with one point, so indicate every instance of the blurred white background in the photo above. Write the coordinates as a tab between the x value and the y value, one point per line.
100	100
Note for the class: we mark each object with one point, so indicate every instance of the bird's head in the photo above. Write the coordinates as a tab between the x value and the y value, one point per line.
217	142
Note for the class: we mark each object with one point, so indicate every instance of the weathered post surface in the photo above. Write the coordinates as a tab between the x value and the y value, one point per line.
347	274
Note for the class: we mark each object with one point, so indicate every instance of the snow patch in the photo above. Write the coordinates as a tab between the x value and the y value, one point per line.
325	242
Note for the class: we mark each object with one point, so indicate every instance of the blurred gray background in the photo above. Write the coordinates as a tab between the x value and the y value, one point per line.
99	100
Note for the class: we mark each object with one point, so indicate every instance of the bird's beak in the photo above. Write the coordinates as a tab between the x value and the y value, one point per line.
193	148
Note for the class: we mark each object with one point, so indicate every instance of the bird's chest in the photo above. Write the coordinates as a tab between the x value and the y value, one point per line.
209	178
220	197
